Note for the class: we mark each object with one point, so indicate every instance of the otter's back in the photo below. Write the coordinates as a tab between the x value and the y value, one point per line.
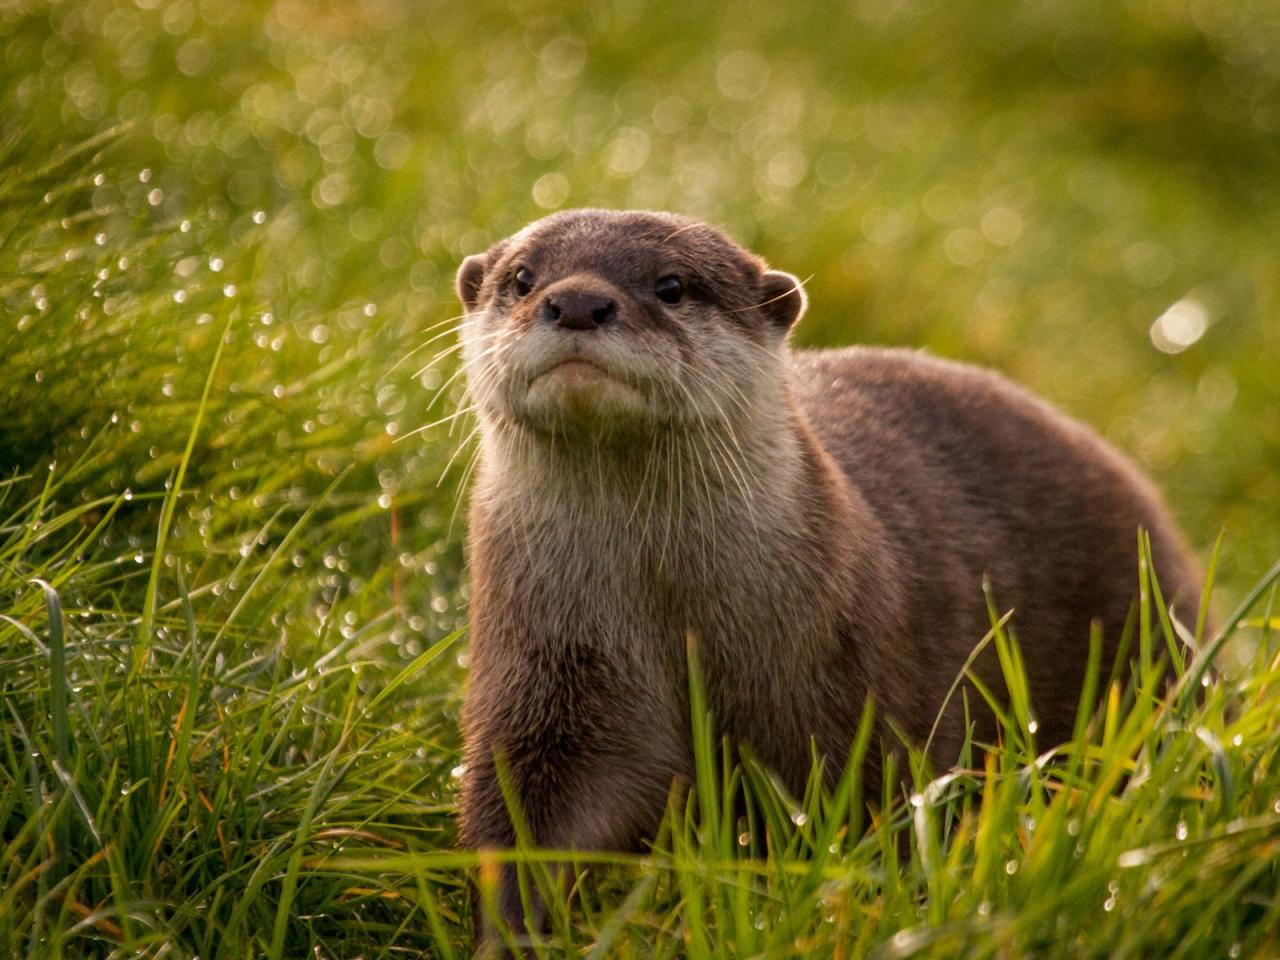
975	477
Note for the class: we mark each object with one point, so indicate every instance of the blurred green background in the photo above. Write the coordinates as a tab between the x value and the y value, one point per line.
269	199
1083	195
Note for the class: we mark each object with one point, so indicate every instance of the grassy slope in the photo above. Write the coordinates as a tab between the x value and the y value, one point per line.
243	742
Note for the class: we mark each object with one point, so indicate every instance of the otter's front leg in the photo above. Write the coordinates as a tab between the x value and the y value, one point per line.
586	754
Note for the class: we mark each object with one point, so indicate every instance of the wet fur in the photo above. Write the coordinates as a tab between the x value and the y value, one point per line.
820	521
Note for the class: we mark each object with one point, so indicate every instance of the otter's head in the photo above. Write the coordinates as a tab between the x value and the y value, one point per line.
622	325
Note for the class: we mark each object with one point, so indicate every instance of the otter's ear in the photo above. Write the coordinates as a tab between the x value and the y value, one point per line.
782	298
470	276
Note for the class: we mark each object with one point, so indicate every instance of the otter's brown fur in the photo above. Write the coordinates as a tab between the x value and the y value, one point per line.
821	521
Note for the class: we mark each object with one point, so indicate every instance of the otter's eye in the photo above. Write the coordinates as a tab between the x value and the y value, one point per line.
669	289
524	281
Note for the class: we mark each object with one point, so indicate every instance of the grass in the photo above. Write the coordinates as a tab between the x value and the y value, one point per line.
232	603
190	802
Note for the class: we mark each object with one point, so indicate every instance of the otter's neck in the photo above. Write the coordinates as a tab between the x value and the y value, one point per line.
698	506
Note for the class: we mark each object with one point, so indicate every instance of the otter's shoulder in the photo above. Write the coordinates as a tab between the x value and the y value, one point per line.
841	380
914	393
887	367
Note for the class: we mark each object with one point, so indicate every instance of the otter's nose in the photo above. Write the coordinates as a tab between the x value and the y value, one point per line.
578	309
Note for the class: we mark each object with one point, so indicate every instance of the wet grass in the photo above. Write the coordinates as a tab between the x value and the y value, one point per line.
232	608
171	793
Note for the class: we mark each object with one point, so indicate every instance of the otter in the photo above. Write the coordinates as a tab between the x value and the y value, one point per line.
655	462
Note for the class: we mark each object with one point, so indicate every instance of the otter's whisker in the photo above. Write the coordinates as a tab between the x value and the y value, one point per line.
453	326
457	449
447	351
435	423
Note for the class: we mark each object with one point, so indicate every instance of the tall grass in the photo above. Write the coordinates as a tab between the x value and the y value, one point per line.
194	803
